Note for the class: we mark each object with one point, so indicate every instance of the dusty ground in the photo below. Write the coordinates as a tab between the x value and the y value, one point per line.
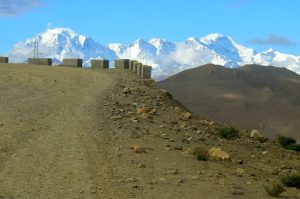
67	133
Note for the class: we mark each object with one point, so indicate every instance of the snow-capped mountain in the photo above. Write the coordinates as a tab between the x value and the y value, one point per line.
61	43
166	57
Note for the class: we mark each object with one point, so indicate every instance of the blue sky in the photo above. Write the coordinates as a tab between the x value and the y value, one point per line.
259	24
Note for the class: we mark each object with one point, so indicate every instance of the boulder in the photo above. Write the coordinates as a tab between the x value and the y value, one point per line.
219	154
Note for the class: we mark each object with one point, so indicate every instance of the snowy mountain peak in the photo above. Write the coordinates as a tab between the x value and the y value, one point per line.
214	37
166	57
60	31
193	40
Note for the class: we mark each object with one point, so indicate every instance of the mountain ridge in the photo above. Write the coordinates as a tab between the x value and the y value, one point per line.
166	57
248	97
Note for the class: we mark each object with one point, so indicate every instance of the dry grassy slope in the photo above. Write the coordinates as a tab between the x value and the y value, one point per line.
66	133
250	97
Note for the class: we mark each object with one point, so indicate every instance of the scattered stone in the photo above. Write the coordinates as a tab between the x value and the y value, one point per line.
126	90
211	123
189	152
145	116
175	171
117	117
185	141
178	148
255	134
131	180
240	172
265	152
237	192
142	165
138	148
180	181
186	115
142	110
219	154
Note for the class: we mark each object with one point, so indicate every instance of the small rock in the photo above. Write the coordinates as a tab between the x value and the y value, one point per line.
185	141
175	171
117	117
138	148
237	192
255	134
146	116
142	165
240	172
211	123
178	148
180	181
143	109
186	115
131	180
126	90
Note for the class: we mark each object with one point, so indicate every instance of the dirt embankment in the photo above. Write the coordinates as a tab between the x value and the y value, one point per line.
74	133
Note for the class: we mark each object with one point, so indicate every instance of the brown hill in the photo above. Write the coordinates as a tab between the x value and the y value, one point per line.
249	97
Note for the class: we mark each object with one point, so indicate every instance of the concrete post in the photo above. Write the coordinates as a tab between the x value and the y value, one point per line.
98	63
135	67
4	60
73	62
139	69
122	63
131	64
40	61
146	72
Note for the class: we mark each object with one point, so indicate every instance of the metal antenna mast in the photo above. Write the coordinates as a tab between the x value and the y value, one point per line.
36	47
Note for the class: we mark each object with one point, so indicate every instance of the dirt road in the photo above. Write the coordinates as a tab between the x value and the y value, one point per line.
47	119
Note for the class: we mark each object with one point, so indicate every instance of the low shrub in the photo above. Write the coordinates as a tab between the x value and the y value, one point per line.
294	147
201	153
229	133
285	141
292	181
274	190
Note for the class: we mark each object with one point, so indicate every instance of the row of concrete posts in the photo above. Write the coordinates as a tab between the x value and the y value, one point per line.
143	71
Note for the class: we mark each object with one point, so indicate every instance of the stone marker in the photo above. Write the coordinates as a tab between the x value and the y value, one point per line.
4	60
135	66
131	64
40	61
139	69
122	63
98	63
146	72
73	62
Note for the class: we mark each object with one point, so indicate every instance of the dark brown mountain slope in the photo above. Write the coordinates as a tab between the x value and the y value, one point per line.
249	97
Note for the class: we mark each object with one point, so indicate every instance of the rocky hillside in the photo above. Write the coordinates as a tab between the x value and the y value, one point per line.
156	143
250	97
